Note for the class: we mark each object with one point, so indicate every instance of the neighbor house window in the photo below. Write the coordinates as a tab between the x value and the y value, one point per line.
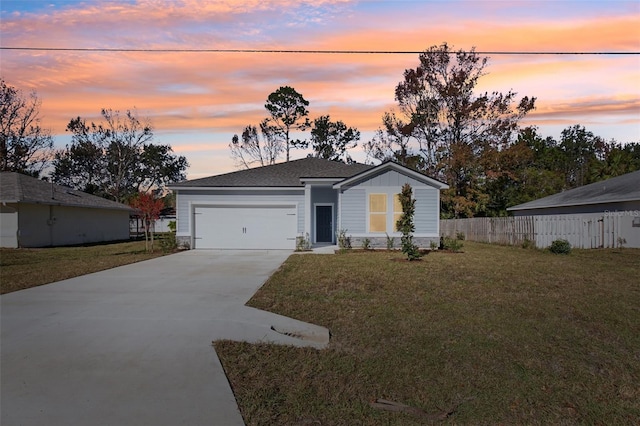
377	212
397	211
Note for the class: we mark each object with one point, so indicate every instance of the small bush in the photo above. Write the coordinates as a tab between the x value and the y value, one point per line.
303	243
168	242
433	245
366	244
344	242
460	236
453	244
560	247
391	242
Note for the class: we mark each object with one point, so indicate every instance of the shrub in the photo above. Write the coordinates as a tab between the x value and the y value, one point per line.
366	244
172	225
303	243
453	244
560	247
344	242
168	242
460	236
391	242
433	245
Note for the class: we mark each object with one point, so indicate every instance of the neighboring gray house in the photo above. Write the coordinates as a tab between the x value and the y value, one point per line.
621	193
601	214
35	213
270	207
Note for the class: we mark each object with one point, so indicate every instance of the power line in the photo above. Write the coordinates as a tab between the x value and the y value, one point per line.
302	51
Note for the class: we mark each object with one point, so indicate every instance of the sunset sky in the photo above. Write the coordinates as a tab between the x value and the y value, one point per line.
198	100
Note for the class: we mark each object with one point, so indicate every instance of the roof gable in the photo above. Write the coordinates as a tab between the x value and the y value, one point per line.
384	167
288	174
19	188
618	189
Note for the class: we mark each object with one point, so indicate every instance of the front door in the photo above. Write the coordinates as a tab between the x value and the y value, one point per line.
324	224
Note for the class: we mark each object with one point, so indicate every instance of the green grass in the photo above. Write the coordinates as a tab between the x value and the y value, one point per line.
498	335
25	268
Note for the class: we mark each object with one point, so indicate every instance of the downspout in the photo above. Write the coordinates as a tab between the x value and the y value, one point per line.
307	210
51	222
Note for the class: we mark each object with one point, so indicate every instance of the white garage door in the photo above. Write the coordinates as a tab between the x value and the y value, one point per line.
245	227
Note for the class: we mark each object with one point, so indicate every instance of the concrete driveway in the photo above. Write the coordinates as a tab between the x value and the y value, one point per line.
132	345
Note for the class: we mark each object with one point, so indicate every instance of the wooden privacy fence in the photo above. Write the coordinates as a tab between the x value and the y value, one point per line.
582	231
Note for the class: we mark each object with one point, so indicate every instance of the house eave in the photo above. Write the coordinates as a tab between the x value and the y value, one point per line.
75	205
237	188
326	181
522	207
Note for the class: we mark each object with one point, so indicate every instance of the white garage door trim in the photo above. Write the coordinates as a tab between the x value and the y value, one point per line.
244	226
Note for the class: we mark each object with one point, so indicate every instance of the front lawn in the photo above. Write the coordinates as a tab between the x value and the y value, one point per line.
494	335
25	268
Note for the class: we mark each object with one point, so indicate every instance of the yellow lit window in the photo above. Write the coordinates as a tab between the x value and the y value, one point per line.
397	211
377	212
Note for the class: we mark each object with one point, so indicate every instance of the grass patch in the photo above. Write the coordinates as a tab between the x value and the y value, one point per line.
25	268
505	335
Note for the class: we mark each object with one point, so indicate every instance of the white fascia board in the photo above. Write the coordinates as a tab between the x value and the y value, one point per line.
327	181
237	188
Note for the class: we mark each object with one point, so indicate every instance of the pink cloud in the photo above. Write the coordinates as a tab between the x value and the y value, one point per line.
219	93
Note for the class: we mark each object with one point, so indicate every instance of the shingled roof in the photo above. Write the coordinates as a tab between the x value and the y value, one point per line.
19	188
280	175
615	190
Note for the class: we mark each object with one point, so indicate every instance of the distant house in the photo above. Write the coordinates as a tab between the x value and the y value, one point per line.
610	207
271	207
35	213
167	215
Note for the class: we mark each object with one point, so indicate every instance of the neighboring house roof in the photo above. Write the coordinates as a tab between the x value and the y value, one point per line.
615	190
389	165
287	174
19	188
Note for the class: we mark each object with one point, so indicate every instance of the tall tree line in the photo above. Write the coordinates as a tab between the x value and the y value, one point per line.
115	157
474	141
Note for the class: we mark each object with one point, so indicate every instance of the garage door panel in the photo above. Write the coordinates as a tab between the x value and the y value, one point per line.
245	227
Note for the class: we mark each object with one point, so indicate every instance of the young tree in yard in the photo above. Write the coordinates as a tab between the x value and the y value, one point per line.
331	140
149	209
288	110
405	223
25	147
115	158
254	148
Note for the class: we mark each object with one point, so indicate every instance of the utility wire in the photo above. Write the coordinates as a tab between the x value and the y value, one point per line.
301	51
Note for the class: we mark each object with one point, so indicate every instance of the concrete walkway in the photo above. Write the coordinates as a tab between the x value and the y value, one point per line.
133	345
